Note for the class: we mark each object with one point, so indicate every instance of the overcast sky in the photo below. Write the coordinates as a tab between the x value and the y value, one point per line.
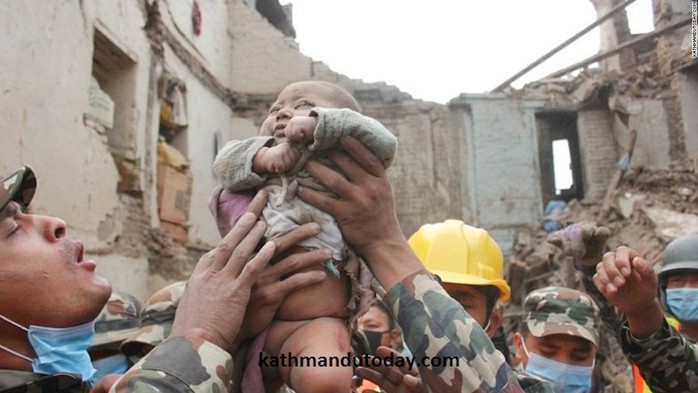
437	49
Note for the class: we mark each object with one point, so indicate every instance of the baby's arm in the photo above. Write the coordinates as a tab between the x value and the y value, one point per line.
233	164
336	123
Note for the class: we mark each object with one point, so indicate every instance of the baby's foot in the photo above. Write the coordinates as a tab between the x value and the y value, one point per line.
584	241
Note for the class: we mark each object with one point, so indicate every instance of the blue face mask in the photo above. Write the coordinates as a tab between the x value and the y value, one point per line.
59	350
683	303
115	364
565	378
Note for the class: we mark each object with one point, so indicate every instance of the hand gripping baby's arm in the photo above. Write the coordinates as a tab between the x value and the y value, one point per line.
336	123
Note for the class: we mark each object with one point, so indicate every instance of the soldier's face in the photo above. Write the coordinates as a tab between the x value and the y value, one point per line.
473	301
44	279
683	279
563	348
375	320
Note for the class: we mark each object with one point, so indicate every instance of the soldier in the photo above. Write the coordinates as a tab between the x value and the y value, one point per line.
51	296
470	266
434	325
666	358
559	337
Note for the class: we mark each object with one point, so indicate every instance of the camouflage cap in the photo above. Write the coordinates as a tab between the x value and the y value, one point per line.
156	319
117	320
558	310
19	186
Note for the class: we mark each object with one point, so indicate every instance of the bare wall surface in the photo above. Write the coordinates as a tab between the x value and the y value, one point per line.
503	165
264	59
689	103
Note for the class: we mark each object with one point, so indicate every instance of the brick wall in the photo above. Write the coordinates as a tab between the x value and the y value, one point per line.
598	151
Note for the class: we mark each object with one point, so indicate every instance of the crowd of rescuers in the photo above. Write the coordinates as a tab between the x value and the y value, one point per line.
442	287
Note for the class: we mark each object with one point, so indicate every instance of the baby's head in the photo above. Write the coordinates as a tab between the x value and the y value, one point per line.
298	98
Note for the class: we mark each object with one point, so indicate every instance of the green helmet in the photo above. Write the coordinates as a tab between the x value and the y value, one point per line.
680	254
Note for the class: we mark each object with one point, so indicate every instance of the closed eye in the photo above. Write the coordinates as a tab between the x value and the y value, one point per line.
304	104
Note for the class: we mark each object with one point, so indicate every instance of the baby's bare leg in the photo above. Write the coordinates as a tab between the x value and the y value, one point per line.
318	340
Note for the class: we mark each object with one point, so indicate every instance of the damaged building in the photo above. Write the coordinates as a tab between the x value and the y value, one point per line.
140	95
121	106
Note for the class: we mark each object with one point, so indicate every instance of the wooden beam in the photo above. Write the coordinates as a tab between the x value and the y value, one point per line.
585	30
611	52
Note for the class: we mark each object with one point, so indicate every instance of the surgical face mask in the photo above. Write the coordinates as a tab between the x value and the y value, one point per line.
683	303
564	378
58	350
374	339
114	364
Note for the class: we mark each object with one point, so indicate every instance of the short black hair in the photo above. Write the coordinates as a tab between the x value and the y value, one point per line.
491	293
384	308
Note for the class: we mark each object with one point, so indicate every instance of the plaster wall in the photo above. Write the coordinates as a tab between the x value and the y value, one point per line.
46	73
649	118
212	47
502	167
264	60
689	103
426	173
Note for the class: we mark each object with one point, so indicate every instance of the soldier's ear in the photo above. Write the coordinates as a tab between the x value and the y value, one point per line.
519	354
494	322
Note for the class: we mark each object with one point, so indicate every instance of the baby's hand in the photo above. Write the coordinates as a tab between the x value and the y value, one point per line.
280	158
300	129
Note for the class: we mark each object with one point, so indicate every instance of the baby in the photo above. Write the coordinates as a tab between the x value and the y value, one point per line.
307	118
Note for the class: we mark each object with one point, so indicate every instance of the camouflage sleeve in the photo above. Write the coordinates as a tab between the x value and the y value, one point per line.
179	364
609	314
667	361
334	123
233	164
452	351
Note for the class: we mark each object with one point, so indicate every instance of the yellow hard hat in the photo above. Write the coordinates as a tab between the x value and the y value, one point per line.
461	254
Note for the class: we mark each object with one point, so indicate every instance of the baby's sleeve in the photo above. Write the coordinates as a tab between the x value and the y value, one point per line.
233	164
336	123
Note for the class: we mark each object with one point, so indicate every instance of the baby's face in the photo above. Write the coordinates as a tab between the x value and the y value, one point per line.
297	99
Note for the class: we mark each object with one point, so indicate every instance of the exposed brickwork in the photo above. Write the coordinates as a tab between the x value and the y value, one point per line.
598	151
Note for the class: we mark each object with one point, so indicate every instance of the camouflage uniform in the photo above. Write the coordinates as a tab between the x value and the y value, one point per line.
156	319
436	326
117	320
177	365
667	361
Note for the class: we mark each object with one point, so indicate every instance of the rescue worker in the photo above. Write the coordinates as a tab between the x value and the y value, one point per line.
375	328
433	323
586	243
666	357
470	267
51	296
559	337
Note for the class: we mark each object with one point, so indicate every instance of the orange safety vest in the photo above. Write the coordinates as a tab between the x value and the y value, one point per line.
640	385
368	386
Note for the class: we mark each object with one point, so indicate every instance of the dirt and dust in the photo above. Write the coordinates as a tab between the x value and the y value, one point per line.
649	208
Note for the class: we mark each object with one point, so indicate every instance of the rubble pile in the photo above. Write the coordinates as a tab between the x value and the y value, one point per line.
650	209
